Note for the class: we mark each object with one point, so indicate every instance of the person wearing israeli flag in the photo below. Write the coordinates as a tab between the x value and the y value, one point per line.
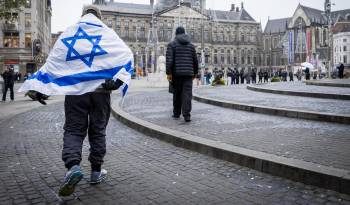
88	61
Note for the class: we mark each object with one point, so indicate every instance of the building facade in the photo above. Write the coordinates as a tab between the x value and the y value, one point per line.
341	39
304	37
229	38
25	40
274	39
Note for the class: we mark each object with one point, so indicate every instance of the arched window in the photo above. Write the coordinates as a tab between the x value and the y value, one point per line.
325	37
347	17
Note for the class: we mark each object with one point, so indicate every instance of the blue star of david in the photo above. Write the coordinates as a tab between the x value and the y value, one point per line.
73	54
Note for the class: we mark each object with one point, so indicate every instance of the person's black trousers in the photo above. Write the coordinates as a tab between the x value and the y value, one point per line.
85	114
8	86
182	96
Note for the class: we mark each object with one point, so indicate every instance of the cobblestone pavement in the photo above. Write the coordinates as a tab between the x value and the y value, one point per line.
242	95
142	170
302	87
312	141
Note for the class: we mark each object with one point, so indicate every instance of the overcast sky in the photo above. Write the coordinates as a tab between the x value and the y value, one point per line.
67	12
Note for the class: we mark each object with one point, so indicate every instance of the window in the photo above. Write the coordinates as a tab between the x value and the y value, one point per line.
344	40
242	57
28	3
345	59
228	57
275	43
344	49
222	56
169	35
117	27
28	20
28	40
324	37
11	40
126	32
215	56
162	51
206	36
161	35
206	55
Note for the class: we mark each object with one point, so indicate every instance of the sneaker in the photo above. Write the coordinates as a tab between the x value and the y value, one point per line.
72	178
98	177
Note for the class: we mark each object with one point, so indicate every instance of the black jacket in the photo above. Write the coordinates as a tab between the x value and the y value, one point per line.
181	57
9	77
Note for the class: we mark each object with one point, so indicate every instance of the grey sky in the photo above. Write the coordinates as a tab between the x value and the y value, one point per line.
67	12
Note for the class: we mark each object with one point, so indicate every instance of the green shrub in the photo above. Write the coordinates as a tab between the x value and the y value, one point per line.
218	82
275	79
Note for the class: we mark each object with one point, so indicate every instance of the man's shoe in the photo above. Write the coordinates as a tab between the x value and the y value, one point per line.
187	119
176	116
98	177
72	178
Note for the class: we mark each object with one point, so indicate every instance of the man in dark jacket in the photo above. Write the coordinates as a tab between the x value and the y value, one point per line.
9	81
241	74
237	76
181	67
260	74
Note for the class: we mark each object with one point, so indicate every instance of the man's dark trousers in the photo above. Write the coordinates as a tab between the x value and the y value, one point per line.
86	114
182	98
8	86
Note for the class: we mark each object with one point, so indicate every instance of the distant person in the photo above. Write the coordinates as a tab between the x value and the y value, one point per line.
237	76
307	73
260	74
266	76
9	80
241	74
341	71
291	76
253	76
181	68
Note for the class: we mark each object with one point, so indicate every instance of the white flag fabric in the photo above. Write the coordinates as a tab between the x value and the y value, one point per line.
83	57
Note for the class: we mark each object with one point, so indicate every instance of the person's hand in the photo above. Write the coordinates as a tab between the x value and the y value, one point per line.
170	78
112	85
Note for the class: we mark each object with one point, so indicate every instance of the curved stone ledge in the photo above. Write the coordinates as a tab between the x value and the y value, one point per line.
330	84
299	93
301	114
297	170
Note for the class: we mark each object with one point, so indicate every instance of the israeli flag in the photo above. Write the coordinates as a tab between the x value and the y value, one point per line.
84	56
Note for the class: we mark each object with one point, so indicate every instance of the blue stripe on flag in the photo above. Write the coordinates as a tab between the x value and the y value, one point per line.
125	89
80	77
91	24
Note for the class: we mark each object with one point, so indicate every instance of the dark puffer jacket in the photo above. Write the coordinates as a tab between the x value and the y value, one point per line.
9	77
181	57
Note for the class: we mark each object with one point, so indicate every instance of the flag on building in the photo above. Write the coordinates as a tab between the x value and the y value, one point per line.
84	56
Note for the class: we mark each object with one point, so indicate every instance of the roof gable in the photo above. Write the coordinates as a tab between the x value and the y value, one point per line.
277	25
183	12
129	8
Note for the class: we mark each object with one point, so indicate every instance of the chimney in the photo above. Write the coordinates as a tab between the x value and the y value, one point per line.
237	9
232	7
242	5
